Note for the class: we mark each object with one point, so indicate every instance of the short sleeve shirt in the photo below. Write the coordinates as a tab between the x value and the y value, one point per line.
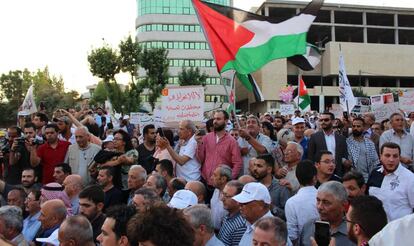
50	158
191	169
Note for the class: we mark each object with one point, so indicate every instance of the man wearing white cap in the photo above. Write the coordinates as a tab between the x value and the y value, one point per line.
299	128
183	199
254	203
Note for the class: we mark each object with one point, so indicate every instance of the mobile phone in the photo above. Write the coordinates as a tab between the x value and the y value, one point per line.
201	132
345	115
160	131
322	233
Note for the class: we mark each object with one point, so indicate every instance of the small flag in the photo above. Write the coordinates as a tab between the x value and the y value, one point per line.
245	42
251	85
346	96
29	105
303	99
309	60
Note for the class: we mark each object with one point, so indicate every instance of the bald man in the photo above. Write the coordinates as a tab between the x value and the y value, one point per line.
246	179
52	214
76	231
199	189
73	185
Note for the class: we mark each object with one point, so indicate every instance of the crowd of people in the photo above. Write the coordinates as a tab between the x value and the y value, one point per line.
84	178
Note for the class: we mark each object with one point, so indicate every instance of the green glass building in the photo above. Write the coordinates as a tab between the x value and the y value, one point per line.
173	25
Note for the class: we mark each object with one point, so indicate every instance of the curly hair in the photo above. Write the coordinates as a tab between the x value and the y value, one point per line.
160	225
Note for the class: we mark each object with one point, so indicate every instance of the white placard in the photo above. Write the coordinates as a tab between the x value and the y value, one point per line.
406	99
384	111
287	109
182	103
337	110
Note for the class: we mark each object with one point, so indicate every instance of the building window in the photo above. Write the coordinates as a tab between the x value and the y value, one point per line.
377	19
191	63
348	17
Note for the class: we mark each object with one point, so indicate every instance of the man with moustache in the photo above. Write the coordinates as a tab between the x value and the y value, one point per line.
392	183
361	150
327	139
254	142
217	148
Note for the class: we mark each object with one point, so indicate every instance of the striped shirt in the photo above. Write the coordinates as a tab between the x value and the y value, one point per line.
232	230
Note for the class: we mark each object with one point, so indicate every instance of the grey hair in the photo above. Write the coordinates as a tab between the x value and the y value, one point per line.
84	128
142	171
12	217
149	194
189	124
236	184
199	215
275	225
255	118
336	189
77	228
225	171
299	148
160	182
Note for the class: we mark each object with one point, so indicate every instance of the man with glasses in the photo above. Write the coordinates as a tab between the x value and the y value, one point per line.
255	204
327	139
361	150
234	225
31	224
325	167
365	217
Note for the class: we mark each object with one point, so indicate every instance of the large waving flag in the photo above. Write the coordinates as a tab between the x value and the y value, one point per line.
346	96
251	85
309	60
29	105
245	42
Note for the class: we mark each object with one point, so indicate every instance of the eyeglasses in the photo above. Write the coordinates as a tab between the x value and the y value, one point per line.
328	161
353	222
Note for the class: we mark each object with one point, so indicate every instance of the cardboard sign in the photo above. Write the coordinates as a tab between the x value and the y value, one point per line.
406	99
384	111
337	110
141	119
382	99
287	109
182	103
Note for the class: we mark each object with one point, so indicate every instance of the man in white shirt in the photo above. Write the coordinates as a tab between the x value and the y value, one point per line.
392	183
220	177
301	208
254	203
187	166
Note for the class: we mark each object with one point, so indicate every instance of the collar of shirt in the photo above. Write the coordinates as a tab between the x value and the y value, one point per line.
341	229
368	132
396	172
307	189
33	217
394	132
328	135
268	214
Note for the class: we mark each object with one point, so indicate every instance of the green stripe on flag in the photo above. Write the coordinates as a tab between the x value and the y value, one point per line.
249	60
245	81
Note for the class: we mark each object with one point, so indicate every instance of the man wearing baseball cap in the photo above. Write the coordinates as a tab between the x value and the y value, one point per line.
254	203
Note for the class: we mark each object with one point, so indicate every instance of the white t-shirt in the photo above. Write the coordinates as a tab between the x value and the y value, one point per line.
191	169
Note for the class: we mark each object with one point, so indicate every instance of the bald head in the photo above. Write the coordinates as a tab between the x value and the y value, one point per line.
76	230
198	188
73	185
82	136
246	179
52	213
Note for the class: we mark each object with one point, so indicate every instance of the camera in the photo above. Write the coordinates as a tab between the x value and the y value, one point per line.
38	141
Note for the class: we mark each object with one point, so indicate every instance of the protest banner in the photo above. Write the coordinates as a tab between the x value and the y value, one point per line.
287	109
182	103
384	111
406	99
377	100
337	110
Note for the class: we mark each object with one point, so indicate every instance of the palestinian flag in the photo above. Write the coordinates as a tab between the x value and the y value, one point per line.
251	85
309	60
245	42
302	98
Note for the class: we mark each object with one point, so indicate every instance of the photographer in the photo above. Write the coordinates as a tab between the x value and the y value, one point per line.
19	156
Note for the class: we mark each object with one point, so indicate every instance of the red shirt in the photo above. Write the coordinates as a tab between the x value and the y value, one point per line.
50	157
211	154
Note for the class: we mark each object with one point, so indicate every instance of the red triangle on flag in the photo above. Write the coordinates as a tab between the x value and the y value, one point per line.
302	88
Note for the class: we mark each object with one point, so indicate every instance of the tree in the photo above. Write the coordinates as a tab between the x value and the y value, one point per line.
359	93
132	97
14	85
130	57
191	76
105	63
100	95
156	64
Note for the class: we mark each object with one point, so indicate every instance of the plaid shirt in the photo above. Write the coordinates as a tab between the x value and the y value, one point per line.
371	156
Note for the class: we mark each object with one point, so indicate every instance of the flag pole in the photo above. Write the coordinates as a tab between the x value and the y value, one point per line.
299	75
228	96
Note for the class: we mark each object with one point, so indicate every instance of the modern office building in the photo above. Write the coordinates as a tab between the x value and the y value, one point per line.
172	24
377	44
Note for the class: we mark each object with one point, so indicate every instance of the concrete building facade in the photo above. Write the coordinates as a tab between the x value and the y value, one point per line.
377	44
172	24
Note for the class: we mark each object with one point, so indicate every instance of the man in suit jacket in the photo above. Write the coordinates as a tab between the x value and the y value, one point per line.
327	139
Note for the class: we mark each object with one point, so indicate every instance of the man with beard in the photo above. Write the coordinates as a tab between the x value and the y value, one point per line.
327	139
40	120
66	133
217	148
146	150
91	203
278	123
262	170
365	217
255	143
361	150
392	183
29	182
354	184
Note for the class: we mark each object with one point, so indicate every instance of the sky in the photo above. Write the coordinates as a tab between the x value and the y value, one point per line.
60	33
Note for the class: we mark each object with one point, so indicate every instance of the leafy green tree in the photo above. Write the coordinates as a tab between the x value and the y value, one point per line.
14	85
100	95
156	65
132	97
359	92
191	76
130	57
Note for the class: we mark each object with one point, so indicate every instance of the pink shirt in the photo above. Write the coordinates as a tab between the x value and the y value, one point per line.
211	154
